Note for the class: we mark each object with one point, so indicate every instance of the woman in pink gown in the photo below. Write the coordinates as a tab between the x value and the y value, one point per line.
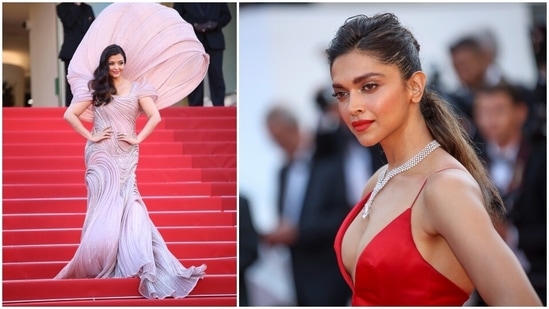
118	238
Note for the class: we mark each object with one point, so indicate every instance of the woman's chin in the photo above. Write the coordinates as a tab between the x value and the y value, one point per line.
367	142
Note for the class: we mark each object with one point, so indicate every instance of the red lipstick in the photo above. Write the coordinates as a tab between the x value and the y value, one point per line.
361	125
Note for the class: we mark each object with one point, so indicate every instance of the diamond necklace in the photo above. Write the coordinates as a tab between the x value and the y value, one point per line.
382	180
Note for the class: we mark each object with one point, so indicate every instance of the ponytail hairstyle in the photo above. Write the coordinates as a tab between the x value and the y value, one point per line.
102	84
384	38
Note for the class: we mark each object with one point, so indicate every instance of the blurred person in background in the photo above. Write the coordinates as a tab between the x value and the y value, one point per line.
537	121
208	20
248	242
516	163
473	58
312	203
76	18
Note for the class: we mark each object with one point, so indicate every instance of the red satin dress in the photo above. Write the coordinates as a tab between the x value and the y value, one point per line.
391	272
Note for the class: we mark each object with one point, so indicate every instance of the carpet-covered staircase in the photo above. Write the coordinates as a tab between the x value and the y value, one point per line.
186	175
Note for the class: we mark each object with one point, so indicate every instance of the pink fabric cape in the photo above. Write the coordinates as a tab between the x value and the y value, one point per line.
160	48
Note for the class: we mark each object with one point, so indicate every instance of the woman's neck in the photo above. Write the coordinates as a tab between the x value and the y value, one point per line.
404	144
118	81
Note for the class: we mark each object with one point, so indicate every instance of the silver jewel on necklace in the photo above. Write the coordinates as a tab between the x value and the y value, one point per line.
382	180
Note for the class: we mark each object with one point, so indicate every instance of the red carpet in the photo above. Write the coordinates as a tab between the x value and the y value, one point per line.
186	174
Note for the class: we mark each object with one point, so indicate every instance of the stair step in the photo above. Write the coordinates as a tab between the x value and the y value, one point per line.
88	289
189	301
173	111
189	123
145	188
76	220
69	136
157	161
161	175
51	253
146	149
196	111
72	235
48	270
153	203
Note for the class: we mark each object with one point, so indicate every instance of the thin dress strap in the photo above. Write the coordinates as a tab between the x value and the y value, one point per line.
425	181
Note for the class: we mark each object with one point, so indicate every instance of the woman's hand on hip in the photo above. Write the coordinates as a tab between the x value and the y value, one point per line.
130	139
101	135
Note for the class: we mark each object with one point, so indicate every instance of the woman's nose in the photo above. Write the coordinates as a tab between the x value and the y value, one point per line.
356	106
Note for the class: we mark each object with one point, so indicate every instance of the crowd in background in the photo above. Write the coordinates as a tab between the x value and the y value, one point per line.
507	123
327	169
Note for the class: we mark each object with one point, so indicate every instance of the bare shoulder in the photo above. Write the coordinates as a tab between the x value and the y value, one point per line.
449	181
452	195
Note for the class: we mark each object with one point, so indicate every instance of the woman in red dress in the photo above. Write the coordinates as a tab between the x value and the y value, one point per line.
424	232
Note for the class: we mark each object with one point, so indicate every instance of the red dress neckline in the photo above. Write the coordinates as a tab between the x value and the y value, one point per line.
391	271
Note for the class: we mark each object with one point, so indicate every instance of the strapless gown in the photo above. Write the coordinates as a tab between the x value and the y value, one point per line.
391	272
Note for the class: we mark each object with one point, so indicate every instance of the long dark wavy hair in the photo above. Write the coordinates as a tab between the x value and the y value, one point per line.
384	38
102	84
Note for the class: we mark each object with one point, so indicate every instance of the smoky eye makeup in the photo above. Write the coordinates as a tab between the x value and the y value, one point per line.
369	86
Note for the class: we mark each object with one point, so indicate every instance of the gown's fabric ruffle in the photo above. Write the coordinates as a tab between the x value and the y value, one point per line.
119	240
160	47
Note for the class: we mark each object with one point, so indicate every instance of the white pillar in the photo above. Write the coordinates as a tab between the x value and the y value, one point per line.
43	54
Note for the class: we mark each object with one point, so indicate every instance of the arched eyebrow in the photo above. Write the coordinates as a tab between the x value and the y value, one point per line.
361	78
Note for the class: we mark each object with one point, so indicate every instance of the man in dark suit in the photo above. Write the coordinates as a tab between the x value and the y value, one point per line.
247	247
76	18
530	215
312	204
208	20
517	164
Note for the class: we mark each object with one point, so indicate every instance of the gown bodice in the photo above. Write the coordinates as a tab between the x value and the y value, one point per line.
390	270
